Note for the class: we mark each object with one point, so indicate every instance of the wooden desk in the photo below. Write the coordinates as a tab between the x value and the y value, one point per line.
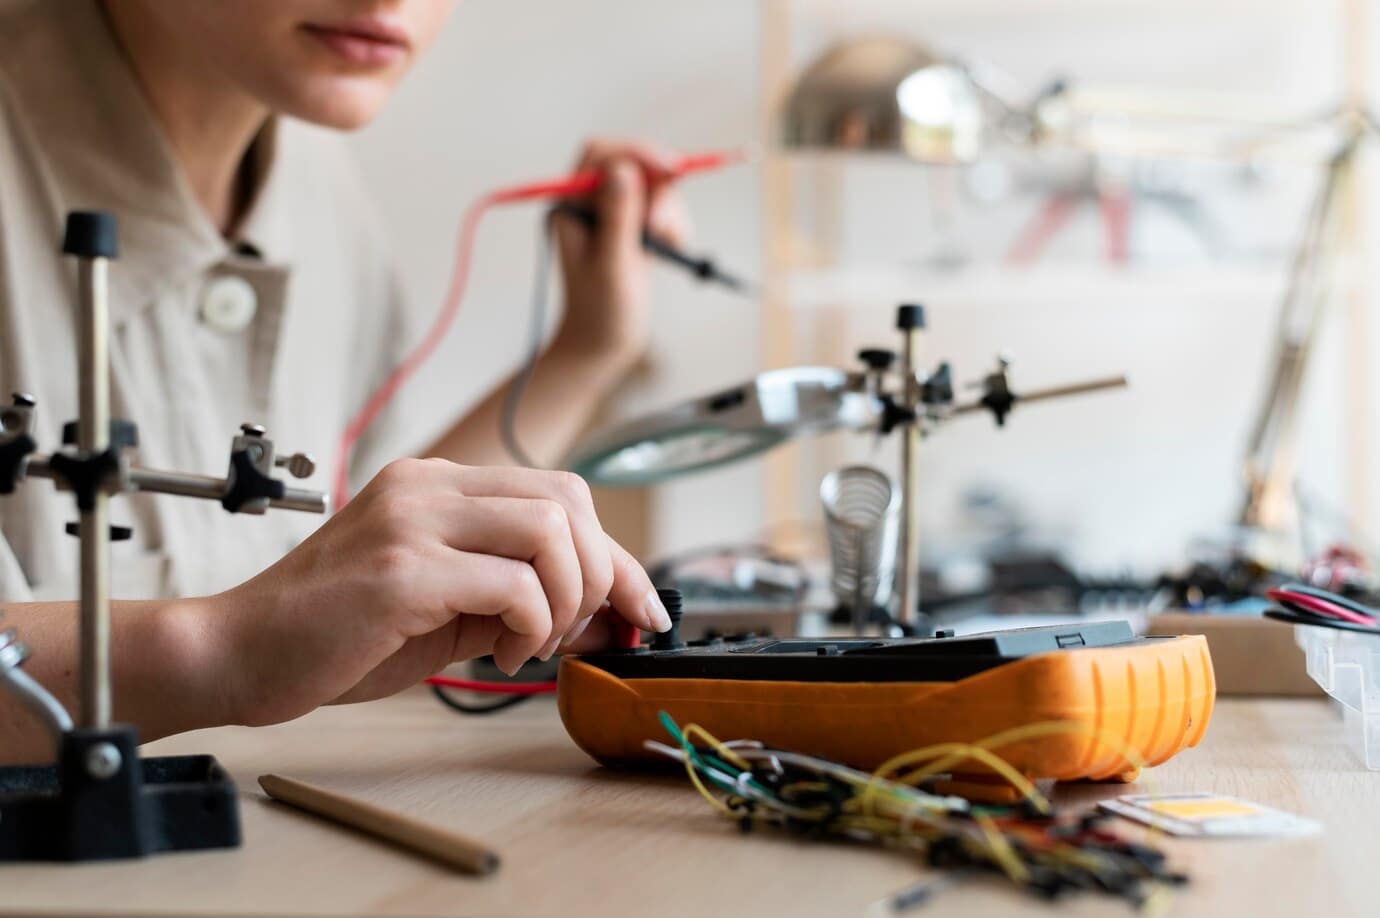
580	840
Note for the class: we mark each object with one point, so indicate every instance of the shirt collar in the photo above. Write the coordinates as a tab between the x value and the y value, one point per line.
266	228
102	148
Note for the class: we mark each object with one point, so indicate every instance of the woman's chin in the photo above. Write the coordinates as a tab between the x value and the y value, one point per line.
342	103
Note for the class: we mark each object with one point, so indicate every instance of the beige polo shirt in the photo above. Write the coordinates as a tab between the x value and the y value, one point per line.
290	324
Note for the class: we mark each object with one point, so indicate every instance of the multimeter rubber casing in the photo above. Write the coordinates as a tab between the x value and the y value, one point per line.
861	701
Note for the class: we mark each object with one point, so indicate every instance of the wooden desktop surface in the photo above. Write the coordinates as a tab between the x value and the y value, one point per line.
579	840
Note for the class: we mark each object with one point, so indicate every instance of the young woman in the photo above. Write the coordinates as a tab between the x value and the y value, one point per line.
252	285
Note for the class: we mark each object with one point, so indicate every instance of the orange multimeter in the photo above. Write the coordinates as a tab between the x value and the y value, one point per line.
861	701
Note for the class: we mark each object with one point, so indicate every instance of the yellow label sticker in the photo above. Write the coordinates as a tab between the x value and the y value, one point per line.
1210	808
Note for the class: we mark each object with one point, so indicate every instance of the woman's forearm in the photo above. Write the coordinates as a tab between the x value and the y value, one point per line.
561	396
164	674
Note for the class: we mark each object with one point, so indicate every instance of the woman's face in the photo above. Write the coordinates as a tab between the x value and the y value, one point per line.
330	62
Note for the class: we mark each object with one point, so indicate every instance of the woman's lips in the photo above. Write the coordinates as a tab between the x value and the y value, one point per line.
365	45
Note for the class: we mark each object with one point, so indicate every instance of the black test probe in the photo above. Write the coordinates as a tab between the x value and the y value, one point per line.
702	268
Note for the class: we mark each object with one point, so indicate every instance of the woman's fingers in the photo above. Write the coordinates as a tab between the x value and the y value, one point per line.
632	595
637	192
522	545
535	531
480	584
667	216
572	493
658	163
591	634
621	202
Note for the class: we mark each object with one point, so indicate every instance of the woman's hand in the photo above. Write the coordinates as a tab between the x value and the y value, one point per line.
432	563
605	270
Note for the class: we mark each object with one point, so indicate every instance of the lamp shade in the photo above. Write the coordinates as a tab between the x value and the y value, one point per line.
887	95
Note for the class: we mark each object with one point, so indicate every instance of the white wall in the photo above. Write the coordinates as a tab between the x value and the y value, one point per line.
512	87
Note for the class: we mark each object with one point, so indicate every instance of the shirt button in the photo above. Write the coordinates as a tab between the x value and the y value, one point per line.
228	304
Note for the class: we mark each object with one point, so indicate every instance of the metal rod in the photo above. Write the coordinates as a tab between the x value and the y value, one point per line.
204	486
908	543
93	437
1040	395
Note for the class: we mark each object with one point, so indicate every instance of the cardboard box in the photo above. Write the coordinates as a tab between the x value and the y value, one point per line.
1250	655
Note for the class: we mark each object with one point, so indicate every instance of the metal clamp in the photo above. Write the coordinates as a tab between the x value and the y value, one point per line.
16	440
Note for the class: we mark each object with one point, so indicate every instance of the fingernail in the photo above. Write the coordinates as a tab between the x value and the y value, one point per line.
549	648
658	619
578	630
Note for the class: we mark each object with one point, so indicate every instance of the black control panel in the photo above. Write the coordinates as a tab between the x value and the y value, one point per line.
942	658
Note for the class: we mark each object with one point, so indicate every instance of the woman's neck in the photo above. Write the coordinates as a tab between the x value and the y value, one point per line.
209	123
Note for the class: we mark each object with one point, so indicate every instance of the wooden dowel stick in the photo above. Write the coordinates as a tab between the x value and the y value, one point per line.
436	842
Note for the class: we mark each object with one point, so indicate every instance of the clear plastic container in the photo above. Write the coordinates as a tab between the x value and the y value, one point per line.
1347	666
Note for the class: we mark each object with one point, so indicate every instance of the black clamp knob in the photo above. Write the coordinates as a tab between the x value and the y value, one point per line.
246	484
997	396
674	601
117	533
91	234
938	389
909	316
87	476
894	415
877	359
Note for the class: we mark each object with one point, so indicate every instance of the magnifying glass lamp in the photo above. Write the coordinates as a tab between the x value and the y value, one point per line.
728	426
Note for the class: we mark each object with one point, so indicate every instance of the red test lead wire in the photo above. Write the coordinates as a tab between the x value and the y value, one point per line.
494	688
1319	606
576	184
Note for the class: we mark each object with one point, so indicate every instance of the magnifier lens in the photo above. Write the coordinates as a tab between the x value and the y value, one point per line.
676	453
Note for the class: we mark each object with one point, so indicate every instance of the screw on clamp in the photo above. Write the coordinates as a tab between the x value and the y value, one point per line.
298	465
103	761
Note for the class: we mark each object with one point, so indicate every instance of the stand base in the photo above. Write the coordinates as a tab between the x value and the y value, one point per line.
102	802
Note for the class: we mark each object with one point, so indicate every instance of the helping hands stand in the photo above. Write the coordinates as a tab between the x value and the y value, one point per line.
918	403
101	800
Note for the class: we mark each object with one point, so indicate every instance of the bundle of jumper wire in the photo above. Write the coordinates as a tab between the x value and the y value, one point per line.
1306	605
1040	852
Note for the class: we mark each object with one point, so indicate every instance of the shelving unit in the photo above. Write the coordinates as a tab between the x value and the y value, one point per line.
819	296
